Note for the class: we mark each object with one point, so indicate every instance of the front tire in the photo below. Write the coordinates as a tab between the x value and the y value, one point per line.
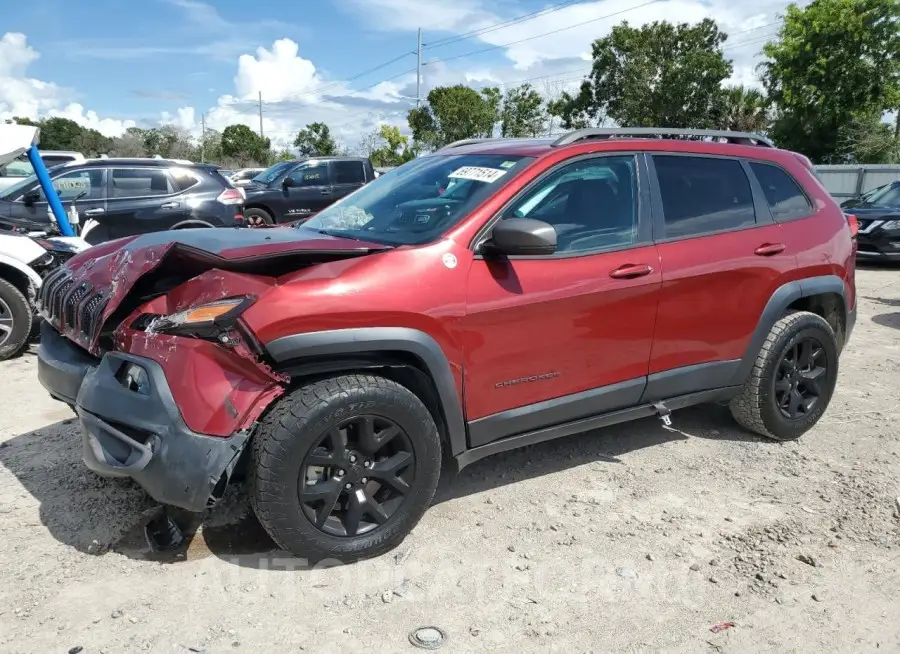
344	468
792	381
16	319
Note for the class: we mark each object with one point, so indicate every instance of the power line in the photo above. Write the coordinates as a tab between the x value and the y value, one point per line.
497	26
537	36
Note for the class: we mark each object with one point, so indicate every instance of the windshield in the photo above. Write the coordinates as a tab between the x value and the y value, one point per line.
418	201
272	173
887	196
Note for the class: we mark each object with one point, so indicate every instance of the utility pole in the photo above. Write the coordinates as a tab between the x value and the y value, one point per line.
419	70
260	115
202	138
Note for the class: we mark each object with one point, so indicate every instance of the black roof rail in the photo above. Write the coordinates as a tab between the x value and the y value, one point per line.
738	138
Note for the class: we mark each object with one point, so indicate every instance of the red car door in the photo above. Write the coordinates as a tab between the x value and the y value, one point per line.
550	339
722	257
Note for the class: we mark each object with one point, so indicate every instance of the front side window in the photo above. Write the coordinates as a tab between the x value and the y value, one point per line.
139	182
420	200
701	195
348	172
889	196
77	185
592	204
783	195
311	173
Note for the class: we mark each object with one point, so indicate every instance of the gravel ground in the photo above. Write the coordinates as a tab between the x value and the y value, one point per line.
632	538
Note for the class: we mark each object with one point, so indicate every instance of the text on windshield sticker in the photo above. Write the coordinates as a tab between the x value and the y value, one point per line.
478	174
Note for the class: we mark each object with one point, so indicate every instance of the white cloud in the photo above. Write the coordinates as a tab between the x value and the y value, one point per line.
33	98
280	73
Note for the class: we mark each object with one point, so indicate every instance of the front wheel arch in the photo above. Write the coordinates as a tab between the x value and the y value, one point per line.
191	224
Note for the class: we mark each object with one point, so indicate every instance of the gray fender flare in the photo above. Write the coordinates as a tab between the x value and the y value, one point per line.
781	299
384	339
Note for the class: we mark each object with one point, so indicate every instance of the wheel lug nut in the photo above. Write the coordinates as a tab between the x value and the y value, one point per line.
352	458
348	486
340	472
368	464
364	480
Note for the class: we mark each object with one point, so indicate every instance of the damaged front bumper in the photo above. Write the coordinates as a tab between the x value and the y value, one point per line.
132	426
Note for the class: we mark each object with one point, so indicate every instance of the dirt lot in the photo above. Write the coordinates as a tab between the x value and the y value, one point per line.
632	538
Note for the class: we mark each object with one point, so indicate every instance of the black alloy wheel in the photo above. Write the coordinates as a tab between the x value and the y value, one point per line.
357	476
802	368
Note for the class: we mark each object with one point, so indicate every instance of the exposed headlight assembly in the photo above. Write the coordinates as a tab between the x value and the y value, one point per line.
203	320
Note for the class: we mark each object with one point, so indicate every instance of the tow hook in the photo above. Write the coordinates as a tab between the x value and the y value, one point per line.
663	412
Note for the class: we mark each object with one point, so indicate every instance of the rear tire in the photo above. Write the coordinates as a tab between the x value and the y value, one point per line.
792	380
258	217
16	319
344	468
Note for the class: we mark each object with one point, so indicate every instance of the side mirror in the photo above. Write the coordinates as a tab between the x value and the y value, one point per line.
288	182
30	198
523	236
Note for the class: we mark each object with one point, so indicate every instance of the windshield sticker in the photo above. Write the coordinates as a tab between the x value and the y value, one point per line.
478	174
508	164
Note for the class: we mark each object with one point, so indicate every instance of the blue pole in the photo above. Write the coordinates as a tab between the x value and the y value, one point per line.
52	198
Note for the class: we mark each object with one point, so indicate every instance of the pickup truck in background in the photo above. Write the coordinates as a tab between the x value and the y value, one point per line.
20	168
292	191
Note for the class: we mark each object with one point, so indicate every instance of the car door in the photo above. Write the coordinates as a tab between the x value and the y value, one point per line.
347	175
309	190
550	339
722	258
141	199
85	188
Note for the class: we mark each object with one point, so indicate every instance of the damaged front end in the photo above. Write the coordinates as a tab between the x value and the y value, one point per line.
146	341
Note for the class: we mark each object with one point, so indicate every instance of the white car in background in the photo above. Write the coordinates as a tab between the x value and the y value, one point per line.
244	176
20	168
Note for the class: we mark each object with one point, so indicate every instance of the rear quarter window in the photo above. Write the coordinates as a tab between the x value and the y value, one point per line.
783	194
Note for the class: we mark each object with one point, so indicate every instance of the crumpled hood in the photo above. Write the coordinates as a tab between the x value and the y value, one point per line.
101	279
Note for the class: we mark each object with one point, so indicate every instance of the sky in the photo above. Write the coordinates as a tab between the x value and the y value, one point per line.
113	64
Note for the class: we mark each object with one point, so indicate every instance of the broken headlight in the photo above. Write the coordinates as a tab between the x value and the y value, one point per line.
203	320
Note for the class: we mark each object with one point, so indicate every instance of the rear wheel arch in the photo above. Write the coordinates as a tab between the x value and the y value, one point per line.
191	224
823	295
407	356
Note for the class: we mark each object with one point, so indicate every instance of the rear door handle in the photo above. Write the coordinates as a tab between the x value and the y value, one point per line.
169	205
93	212
630	271
325	191
769	249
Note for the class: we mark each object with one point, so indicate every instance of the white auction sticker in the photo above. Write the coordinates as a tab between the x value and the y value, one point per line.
449	260
478	174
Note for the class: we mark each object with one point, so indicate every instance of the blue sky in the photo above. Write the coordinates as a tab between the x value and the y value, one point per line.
113	63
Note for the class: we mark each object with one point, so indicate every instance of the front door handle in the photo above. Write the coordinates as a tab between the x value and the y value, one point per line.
169	205
630	271
769	249
325	191
93	212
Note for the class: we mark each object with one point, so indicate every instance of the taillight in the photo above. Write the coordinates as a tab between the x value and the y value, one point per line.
231	196
853	223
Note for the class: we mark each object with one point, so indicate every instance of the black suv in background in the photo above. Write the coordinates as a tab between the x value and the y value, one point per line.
127	197
295	190
878	215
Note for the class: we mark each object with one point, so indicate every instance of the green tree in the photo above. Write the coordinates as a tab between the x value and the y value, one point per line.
744	110
453	113
658	75
315	140
242	144
833	64
388	147
284	155
523	112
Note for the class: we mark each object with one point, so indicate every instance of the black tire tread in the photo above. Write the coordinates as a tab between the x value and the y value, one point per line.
292	415
14	296
746	407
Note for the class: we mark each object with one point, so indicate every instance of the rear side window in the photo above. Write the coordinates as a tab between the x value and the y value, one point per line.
348	172
785	198
183	179
138	182
703	194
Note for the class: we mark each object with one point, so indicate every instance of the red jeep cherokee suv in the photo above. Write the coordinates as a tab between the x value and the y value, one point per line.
491	295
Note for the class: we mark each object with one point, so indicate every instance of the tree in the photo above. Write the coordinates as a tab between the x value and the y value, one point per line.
284	155
387	147
453	113
315	140
523	112
868	139
658	75
744	110
243	144
833	63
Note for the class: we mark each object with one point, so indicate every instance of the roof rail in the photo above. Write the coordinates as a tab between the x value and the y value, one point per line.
462	142
739	138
